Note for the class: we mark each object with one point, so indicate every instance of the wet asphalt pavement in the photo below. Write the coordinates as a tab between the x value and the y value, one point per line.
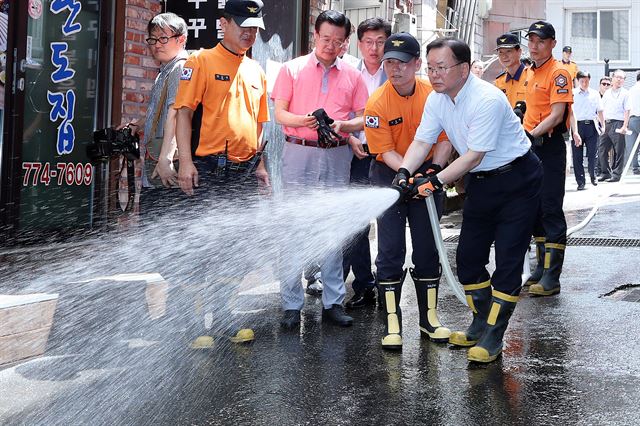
114	357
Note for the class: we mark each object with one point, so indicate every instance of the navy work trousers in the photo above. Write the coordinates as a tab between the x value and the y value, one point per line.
392	227
357	254
589	137
500	209
551	222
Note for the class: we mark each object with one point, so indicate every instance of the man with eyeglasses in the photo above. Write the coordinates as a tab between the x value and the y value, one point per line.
503	188
615	107
549	97
605	83
305	84
167	37
391	116
232	90
372	33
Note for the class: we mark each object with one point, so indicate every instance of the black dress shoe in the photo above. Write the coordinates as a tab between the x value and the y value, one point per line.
613	180
336	315
581	187
290	319
594	182
362	299
603	178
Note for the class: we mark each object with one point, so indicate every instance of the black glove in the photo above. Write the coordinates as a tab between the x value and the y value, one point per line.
401	180
422	187
519	109
535	140
326	135
433	170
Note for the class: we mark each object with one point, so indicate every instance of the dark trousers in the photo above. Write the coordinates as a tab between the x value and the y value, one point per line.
608	140
392	227
357	254
634	126
500	209
550	222
590	141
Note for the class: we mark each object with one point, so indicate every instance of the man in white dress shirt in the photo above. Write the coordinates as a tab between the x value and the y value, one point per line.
503	188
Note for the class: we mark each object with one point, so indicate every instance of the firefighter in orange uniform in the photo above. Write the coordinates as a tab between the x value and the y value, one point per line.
549	97
512	80
571	66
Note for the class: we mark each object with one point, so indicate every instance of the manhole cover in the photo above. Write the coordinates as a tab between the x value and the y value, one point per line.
593	242
625	293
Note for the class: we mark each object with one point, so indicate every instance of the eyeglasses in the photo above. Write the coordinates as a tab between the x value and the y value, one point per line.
606	84
335	43
373	43
441	70
162	40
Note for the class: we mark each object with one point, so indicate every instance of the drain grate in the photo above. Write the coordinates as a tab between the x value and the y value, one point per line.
625	293
594	242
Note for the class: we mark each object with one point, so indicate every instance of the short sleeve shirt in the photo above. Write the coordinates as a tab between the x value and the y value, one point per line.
480	119
307	85
615	103
233	92
391	120
513	86
546	85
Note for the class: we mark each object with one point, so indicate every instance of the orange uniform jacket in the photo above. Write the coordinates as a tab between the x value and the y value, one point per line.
391	120
546	85
513	86
233	92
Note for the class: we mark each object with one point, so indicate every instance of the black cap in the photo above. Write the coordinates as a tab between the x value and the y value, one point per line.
401	46
507	40
246	13
542	29
566	49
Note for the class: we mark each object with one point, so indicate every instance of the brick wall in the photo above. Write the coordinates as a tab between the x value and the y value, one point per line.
139	68
317	7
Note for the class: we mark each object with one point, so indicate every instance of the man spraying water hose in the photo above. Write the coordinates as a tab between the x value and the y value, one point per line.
391	116
503	188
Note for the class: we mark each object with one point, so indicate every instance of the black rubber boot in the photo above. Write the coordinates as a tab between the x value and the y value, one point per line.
427	295
489	347
390	292
479	301
549	284
537	272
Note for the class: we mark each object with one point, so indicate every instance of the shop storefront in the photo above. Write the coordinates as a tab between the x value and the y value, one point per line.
53	66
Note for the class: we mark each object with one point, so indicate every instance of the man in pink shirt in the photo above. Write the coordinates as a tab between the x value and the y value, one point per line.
305	84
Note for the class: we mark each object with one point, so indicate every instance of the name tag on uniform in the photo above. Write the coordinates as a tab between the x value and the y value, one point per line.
222	77
395	121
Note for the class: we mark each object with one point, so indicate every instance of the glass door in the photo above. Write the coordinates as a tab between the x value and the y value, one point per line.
56	75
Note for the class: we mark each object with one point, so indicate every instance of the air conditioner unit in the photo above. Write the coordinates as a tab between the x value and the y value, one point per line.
406	22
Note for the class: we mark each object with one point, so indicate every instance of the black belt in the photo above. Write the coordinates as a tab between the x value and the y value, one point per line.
500	170
221	161
314	144
585	122
613	121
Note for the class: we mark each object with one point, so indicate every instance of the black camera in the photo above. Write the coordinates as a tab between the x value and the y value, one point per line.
109	143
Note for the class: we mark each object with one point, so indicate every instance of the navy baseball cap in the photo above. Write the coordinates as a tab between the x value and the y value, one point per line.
542	29
246	13
401	46
566	49
507	40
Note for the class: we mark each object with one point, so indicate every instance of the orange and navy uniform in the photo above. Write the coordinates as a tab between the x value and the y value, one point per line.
547	84
513	85
391	120
572	67
233	92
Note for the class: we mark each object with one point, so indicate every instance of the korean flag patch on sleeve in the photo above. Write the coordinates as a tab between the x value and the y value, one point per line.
186	73
371	121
